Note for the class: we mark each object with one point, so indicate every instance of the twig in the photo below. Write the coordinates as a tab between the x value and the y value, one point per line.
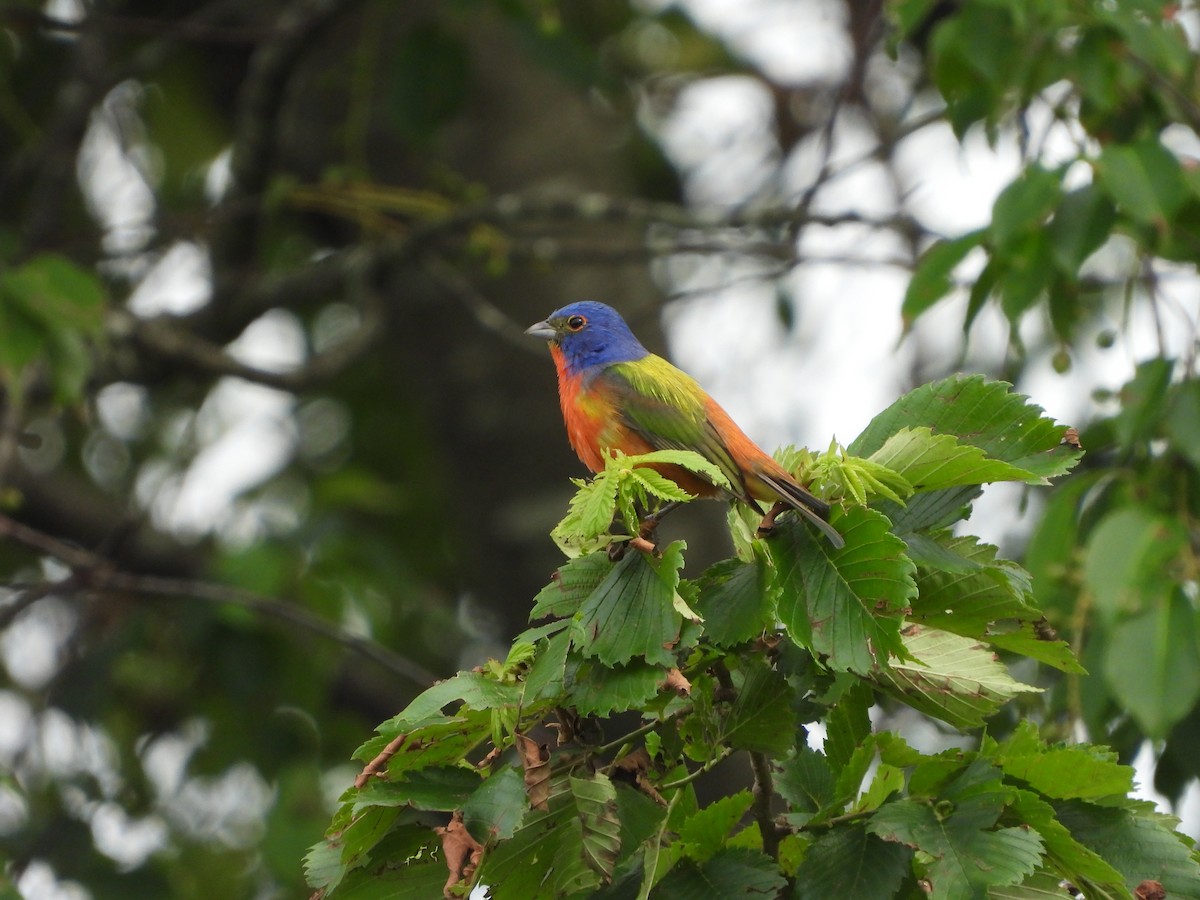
379	763
96	575
764	789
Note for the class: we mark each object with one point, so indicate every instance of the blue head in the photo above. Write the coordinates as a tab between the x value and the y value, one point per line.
589	335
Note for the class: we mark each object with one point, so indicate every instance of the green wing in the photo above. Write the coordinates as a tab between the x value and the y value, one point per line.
666	407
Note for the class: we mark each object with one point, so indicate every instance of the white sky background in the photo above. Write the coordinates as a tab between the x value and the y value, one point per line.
840	365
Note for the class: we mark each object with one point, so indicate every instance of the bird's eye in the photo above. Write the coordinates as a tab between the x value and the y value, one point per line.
576	323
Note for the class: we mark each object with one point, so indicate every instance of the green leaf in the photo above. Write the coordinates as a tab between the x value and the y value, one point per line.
1152	664
931	461
931	510
968	600
931	279
1183	421
805	780
956	679
631	613
704	833
589	516
600	828
1081	225
848	725
441	788
1079	771
57	293
1144	179
1125	565
850	862
968	857
1025	204
1138	847
495	810
729	873
594	689
474	689
546	677
982	413
572	584
842	604
1143	401
761	717
1068	856
735	602
435	741
1038	886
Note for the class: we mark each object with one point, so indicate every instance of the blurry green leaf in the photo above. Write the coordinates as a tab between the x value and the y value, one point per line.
705	832
1028	270
728	873
1137	846
56	292
1144	179
1081	225
1126	558
631	613
1183	420
429	78
955	679
1143	403
848	725
851	862
1152	664
931	279
1025	204
979	412
843	604
495	810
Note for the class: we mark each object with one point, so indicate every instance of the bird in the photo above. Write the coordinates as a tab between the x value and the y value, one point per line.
617	395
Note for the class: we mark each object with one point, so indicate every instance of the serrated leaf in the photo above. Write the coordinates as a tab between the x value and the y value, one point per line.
1079	771
590	515
982	413
1038	886
595	689
571	585
704	833
1068	856
729	873
734	601
968	856
545	678
689	459
969	600
1026	639
761	717
956	679
843	604
850	862
441	788
931	509
474	689
631	613
599	826
805	780
495	810
435	741
848	725
660	485
1138	847
932	462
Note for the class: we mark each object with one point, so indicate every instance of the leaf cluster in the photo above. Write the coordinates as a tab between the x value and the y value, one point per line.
573	765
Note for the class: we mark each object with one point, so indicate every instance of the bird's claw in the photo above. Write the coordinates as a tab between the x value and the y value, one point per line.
767	525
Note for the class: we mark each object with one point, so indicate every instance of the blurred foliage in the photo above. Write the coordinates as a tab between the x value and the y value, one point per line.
270	463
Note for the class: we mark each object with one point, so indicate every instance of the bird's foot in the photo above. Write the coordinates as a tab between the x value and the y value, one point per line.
767	525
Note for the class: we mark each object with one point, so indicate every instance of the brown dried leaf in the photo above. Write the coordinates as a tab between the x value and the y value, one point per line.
1150	890
535	760
462	853
637	763
1071	439
675	681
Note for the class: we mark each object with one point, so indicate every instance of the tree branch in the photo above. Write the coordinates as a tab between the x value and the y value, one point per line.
94	574
764	789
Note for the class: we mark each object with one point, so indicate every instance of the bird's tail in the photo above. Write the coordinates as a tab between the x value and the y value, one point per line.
811	508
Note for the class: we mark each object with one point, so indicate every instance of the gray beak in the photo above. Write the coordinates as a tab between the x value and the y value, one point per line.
543	330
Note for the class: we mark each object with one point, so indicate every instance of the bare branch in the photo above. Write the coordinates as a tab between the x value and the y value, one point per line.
95	575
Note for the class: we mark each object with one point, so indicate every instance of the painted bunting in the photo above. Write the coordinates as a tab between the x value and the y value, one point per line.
616	395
